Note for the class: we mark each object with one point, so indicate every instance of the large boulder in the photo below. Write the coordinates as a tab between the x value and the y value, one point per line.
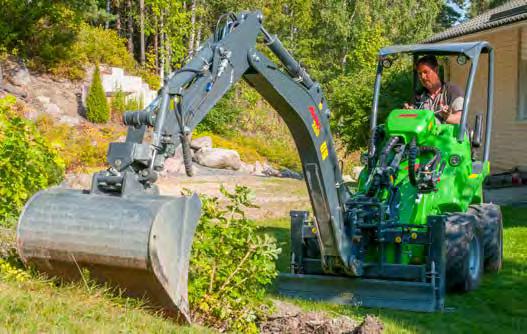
20	77
201	142
218	158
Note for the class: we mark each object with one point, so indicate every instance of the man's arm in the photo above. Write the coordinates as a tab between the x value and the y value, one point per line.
455	97
454	118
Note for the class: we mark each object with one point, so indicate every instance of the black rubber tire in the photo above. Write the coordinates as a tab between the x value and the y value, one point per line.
491	224
462	231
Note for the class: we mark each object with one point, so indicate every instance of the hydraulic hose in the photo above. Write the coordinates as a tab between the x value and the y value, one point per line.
187	155
412	156
432	164
386	151
185	143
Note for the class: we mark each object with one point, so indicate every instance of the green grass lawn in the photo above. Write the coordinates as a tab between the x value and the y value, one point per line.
498	306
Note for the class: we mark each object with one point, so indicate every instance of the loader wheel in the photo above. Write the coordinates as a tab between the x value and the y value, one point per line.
464	246
491	224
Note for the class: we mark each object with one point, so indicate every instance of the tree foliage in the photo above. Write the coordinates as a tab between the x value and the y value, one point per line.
97	109
336	40
27	161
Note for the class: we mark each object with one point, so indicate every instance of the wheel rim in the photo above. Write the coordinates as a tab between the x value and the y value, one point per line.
474	258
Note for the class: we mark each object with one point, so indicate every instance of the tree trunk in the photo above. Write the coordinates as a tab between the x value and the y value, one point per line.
192	28
162	48
156	48
197	42
118	23
108	10
142	57
130	25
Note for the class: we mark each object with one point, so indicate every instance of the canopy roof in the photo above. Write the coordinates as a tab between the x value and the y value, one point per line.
470	49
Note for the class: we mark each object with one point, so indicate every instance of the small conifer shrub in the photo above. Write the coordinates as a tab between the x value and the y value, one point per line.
97	109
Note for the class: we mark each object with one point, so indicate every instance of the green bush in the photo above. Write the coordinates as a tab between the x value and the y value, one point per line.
230	266
118	104
97	110
27	162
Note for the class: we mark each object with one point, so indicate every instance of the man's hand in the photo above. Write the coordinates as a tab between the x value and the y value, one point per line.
408	106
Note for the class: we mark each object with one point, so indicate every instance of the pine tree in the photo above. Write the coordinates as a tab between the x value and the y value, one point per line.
97	110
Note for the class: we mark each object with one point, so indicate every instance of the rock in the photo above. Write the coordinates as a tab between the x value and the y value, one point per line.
218	158
201	142
21	77
258	169
69	120
270	170
53	109
77	181
174	166
288	318
43	99
286	172
246	168
356	172
370	325
12	89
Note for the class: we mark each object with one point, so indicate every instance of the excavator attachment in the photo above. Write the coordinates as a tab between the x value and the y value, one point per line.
140	244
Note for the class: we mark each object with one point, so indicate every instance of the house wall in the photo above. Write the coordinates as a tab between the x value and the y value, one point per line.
509	135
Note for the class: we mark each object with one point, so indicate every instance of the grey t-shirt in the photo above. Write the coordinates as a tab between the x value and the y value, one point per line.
450	95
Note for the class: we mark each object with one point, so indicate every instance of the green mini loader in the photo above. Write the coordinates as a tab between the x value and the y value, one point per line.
416	223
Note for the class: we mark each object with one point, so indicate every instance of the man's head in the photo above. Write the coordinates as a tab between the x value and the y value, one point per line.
428	73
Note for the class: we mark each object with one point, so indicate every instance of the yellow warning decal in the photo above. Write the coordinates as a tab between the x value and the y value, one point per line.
473	176
316	128
324	150
320	106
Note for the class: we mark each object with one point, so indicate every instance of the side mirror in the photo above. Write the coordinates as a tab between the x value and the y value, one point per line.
476	135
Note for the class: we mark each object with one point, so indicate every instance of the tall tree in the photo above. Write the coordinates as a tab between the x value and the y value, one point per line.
477	7
142	56
192	34
130	26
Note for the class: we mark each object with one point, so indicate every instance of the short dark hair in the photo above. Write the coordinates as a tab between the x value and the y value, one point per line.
429	60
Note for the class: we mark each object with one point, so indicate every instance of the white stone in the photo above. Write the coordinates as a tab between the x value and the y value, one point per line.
53	109
356	172
201	142
21	77
218	158
70	120
270	170
258	169
132	86
43	99
173	165
246	168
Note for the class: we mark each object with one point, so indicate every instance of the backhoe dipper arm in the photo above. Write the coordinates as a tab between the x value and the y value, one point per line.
190	93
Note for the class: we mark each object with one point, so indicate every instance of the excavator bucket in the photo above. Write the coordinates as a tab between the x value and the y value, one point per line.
140	244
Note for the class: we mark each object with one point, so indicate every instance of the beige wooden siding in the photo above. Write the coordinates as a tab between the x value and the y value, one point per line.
509	135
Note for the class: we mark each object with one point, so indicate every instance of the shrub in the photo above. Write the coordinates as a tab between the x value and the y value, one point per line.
230	266
97	110
27	161
82	148
118	104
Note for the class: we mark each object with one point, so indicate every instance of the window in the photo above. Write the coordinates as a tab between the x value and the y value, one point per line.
522	76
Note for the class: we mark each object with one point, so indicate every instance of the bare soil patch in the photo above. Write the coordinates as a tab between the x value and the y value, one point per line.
291	319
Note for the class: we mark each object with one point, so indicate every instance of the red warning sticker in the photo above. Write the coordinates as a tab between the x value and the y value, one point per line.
316	122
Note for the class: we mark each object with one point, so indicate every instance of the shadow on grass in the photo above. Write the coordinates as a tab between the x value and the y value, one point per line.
514	216
499	305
